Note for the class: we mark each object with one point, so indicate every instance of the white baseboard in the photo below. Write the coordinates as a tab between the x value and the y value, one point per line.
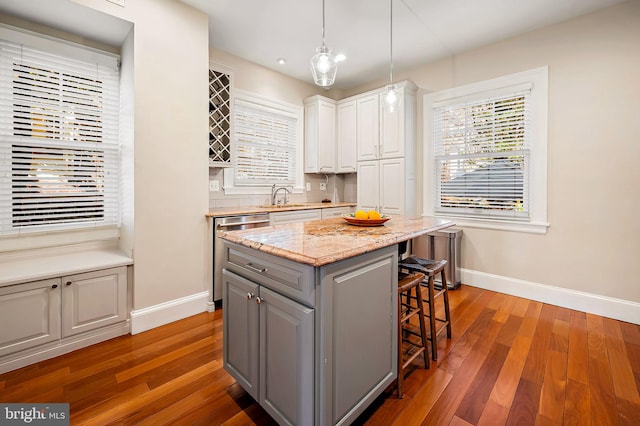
610	307
61	347
164	313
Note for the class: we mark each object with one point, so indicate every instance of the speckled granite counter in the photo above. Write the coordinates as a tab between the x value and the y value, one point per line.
232	211
321	242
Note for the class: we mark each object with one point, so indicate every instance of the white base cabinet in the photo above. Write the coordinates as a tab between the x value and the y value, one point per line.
29	315
41	318
93	300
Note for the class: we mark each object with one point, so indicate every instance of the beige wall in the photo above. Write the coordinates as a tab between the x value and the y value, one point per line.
593	243
170	63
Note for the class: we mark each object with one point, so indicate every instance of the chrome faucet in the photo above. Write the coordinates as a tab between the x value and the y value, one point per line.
275	190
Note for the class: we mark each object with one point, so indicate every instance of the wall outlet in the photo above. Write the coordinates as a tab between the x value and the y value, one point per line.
323	186
308	186
214	185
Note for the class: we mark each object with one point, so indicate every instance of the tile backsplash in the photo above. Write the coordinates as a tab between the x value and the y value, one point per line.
344	184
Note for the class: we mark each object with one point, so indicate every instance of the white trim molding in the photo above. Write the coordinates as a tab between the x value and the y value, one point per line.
623	310
164	313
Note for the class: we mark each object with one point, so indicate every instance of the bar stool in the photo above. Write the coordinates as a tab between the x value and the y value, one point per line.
431	268
409	349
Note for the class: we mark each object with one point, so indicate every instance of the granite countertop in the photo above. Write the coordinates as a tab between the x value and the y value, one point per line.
232	211
321	242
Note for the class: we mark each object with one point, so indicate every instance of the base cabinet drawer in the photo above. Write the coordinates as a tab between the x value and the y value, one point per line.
29	315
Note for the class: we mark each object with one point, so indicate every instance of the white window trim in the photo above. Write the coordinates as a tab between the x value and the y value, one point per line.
265	102
538	77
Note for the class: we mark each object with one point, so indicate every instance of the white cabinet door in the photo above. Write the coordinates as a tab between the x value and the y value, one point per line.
368	185
320	135
93	300
392	186
293	216
392	138
368	131
29	314
347	137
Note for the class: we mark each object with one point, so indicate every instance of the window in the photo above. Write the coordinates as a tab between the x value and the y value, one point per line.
267	145
487	148
59	151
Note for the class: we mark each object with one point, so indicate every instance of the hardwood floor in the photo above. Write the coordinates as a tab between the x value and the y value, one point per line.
511	361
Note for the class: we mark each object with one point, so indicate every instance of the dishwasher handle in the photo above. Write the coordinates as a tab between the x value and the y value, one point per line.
228	225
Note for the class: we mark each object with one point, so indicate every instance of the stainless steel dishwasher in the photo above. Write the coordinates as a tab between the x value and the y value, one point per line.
230	223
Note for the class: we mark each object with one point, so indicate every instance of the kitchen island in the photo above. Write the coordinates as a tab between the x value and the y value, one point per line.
309	314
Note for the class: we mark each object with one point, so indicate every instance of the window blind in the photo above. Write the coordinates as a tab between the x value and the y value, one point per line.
59	148
482	156
264	145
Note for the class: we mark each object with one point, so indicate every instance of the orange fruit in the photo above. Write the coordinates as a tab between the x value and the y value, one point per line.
374	215
361	214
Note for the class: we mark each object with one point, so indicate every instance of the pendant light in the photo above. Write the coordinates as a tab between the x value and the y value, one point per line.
391	94
323	64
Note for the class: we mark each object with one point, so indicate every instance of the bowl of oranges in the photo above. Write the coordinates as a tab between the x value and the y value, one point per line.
364	218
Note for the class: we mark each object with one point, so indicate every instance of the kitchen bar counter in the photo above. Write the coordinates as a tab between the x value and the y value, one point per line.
321	242
232	211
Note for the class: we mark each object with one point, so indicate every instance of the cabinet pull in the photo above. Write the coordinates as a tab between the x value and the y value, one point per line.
250	296
54	286
253	268
259	300
68	283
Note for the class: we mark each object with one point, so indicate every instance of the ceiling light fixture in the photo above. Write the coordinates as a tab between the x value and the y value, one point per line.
281	61
323	64
391	94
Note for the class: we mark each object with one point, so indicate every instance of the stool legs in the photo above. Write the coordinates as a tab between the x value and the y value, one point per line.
433	319
406	311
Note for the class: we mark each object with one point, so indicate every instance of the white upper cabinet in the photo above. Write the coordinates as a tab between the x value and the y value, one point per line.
347	137
368	127
320	135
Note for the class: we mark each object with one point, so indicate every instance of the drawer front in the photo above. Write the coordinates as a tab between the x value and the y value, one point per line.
291	279
335	212
294	216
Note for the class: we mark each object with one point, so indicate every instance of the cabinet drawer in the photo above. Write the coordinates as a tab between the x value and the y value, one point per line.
294	216
335	212
288	278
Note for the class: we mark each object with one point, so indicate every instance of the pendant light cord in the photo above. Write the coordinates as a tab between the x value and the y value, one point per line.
390	41
323	23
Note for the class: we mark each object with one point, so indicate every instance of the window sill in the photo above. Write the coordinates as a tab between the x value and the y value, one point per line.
52	239
526	227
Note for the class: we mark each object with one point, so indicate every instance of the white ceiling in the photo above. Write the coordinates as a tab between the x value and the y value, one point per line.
263	30
423	30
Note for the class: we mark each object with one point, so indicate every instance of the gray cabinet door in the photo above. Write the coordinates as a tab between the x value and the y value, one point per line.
240	322
287	359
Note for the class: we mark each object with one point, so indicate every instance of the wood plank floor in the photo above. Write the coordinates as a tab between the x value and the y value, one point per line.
511	361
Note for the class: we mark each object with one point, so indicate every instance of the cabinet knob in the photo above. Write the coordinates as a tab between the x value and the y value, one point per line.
68	283
54	286
250	296
259	300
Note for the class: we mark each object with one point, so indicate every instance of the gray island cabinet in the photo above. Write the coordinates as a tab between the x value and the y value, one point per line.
309	316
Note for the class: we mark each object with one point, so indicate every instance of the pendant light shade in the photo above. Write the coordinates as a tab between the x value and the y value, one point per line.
323	64
391	94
